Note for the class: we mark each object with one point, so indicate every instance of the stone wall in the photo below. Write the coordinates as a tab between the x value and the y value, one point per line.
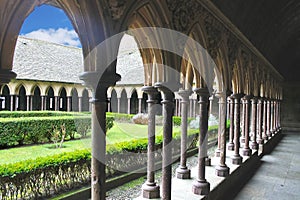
290	110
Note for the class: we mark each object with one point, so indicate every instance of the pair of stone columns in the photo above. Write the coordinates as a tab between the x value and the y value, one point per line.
150	189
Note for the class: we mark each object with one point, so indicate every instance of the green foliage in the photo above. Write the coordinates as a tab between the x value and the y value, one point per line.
32	130
177	120
120	117
109	122
11	170
18	114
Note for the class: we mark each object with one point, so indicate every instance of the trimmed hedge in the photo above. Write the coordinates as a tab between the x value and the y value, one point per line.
18	114
54	174
32	130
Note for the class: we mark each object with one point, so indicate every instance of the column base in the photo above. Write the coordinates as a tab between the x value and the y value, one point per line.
218	153
230	146
150	191
254	145
242	139
207	161
183	173
222	171
260	141
201	187
265	138
236	159
246	152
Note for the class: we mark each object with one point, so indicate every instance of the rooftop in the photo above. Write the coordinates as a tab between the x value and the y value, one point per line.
45	61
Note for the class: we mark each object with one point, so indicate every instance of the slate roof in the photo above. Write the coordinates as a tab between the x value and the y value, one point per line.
45	61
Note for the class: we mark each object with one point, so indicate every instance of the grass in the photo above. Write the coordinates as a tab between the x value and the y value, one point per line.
120	132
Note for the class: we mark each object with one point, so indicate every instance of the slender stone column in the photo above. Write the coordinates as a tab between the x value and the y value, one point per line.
168	112
119	104
269	118
254	144
140	105
274	117
28	98
191	107
108	105
246	151
182	172
236	158
99	105
201	186
80	104
17	102
222	169
69	106
195	108
56	103
265	105
210	105
42	102
242	120
176	108
231	128
260	139
128	106
150	189
12	99
279	115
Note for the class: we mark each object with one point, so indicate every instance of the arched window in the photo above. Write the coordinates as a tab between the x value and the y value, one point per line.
50	100
6	98
22	100
134	103
63	100
123	102
114	101
36	99
85	101
75	100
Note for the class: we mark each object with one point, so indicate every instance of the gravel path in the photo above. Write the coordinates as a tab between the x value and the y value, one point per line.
132	189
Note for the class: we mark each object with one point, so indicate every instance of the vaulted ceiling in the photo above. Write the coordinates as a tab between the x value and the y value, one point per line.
273	26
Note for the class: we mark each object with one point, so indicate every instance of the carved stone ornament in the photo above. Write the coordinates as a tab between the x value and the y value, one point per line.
117	8
184	12
232	49
214	35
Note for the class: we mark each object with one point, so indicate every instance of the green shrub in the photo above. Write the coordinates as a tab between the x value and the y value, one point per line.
18	114
120	117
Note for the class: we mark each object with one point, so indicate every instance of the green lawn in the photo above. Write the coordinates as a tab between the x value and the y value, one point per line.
119	132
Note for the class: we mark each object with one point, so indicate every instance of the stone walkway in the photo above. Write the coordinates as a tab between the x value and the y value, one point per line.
279	174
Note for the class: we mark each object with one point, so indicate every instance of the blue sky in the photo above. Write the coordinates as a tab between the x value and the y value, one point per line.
50	24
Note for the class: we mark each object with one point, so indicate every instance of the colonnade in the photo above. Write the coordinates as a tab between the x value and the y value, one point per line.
30	95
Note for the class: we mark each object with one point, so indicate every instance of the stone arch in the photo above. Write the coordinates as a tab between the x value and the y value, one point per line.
90	36
74	100
123	102
146	15
6	98
134	103
36	98
50	99
62	99
21	103
114	101
85	101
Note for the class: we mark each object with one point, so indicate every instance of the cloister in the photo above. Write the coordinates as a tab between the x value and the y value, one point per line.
186	47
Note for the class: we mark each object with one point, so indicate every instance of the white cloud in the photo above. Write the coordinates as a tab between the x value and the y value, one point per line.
59	36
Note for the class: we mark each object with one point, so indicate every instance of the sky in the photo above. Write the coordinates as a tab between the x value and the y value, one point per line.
50	24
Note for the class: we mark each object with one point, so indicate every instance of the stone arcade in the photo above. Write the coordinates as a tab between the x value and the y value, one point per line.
235	45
